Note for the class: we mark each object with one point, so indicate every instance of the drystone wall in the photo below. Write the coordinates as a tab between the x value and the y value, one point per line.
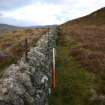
29	82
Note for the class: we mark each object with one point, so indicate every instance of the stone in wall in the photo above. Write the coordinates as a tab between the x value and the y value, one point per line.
28	83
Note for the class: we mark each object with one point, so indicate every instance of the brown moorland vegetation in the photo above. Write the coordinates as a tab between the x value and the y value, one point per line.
80	61
87	37
12	44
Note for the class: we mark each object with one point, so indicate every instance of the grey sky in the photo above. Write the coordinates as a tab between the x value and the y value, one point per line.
12	4
43	12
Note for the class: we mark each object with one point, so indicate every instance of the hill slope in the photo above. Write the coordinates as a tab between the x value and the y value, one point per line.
81	61
12	44
5	28
95	18
88	34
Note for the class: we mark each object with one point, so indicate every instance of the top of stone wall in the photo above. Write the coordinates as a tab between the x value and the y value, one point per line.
27	83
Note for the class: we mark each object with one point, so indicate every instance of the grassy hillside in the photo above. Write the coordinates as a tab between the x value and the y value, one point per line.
5	28
12	44
75	85
81	61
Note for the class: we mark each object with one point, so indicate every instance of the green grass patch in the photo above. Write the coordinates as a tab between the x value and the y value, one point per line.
75	84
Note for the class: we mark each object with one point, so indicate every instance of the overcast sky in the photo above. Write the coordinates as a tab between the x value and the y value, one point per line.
45	12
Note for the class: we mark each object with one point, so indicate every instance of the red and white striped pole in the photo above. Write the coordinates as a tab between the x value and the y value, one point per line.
53	71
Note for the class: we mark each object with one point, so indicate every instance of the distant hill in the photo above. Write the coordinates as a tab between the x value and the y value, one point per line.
7	27
46	26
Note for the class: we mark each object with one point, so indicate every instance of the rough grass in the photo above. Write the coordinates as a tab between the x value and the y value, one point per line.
75	85
12	44
89	34
81	62
90	46
89	49
11	38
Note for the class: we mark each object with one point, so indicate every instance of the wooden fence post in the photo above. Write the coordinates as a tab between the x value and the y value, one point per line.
26	49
